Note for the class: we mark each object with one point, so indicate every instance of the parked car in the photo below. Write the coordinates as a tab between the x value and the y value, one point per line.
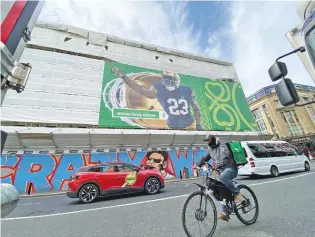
112	178
272	158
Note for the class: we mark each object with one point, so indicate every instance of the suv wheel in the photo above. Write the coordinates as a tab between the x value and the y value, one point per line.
152	186
88	193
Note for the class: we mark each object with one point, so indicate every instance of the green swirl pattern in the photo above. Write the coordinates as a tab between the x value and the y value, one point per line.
226	106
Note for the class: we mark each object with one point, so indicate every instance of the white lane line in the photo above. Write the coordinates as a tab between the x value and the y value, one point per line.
273	181
26	204
63	193
137	203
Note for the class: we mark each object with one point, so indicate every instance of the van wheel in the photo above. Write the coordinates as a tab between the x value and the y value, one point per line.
307	166
274	171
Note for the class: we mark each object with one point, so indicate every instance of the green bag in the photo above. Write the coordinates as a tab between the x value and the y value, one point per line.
237	152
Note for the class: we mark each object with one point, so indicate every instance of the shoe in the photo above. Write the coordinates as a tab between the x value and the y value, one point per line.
223	217
238	198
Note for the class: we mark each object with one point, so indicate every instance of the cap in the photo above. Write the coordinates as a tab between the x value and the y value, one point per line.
207	137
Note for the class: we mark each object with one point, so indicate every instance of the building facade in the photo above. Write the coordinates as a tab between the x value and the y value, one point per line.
71	85
293	124
74	105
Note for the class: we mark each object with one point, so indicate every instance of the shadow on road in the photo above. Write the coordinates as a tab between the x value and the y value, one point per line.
266	177
115	197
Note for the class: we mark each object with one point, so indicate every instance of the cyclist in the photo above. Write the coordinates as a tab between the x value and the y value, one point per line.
225	166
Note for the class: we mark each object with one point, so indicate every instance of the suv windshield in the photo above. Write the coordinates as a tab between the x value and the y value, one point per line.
310	44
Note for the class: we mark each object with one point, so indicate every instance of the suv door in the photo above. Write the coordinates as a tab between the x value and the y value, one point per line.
129	178
108	178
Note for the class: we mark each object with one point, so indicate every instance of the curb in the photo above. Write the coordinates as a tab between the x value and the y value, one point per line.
64	192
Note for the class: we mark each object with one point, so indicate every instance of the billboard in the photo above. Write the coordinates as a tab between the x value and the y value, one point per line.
137	97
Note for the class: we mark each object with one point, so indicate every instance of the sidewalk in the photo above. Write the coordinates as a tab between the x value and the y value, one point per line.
44	194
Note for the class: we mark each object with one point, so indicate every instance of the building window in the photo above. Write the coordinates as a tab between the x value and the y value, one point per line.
283	117
275	131
256	113
289	117
265	108
262	125
294	130
294	115
301	130
312	113
271	122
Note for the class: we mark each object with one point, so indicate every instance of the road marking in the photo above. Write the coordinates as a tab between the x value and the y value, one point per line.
137	203
62	193
277	180
26	204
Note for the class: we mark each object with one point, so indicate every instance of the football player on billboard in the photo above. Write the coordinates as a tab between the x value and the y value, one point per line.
175	99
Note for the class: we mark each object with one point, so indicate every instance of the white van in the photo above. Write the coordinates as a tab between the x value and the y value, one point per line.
272	158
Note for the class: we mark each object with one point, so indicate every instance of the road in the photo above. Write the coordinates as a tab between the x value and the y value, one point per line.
287	206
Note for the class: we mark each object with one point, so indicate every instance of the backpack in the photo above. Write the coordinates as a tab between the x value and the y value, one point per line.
238	152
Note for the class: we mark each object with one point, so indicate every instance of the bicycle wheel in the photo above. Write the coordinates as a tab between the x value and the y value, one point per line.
199	213
246	206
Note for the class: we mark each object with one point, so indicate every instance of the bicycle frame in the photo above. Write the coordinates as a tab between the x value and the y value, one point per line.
214	191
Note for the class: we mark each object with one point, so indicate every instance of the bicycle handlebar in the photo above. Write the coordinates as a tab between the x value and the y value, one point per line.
211	166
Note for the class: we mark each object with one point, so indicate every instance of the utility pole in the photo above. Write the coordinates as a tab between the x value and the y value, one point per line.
18	19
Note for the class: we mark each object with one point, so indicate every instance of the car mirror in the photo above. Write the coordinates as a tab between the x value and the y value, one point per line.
277	71
286	92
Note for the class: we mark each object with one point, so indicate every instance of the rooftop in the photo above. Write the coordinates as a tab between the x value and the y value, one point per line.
34	140
100	39
268	90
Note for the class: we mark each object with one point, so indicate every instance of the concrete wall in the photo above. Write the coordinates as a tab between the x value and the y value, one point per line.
51	172
61	89
66	88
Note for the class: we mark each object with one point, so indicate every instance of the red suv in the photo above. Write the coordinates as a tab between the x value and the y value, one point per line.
111	178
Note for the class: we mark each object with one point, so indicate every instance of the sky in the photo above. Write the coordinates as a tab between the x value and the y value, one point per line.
250	34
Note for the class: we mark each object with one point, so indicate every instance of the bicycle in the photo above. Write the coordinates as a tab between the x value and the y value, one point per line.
221	193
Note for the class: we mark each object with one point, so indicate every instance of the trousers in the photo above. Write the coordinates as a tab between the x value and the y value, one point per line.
226	176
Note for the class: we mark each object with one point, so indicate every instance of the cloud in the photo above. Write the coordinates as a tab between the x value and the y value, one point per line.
161	23
214	48
253	37
258	32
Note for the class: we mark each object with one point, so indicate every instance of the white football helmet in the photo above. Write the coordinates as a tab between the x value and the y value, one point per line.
170	80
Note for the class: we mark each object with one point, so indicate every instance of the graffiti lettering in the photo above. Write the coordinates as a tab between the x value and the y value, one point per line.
50	173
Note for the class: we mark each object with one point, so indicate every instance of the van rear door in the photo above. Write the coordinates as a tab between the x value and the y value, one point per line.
261	157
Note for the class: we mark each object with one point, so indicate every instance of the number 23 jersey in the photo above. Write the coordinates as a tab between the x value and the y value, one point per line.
176	104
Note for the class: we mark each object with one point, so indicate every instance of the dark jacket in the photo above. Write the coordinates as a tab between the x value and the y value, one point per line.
221	155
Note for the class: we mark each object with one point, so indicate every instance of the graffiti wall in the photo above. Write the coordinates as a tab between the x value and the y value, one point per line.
51	172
